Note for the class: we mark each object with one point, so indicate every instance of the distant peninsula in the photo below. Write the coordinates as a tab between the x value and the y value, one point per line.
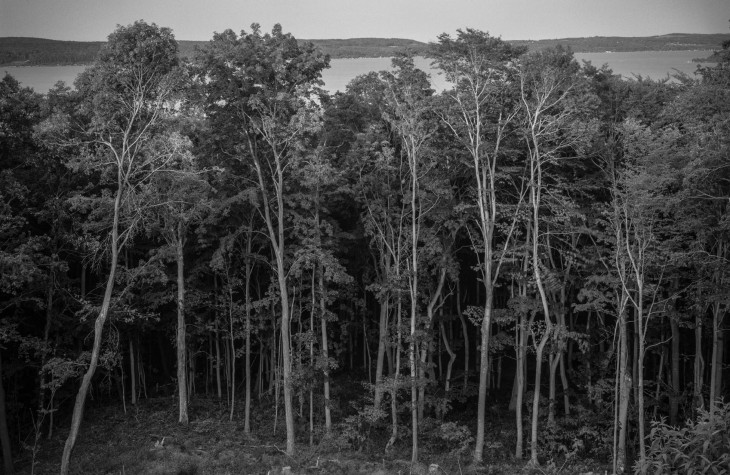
21	51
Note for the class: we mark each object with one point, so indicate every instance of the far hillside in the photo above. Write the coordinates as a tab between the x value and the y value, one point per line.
39	51
600	44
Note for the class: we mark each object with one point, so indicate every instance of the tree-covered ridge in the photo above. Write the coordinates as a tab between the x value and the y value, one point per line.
527	271
600	44
39	51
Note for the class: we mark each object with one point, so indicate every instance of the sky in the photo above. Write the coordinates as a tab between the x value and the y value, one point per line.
423	20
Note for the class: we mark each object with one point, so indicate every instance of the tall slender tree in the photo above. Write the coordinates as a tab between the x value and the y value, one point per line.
126	94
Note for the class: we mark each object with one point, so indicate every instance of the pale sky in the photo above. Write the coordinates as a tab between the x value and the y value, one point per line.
93	20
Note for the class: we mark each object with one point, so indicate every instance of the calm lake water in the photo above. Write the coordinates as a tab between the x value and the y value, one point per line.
654	64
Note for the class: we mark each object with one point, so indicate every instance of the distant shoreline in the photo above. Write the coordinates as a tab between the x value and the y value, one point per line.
23	52
708	59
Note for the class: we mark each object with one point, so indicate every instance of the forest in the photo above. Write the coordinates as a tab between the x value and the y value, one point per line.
214	266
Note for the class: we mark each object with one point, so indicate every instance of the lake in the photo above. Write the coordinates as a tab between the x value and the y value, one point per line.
653	64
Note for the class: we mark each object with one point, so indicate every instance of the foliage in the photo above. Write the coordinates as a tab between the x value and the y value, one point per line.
702	446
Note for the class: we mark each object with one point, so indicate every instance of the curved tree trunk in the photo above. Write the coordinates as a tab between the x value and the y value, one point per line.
452	358
78	411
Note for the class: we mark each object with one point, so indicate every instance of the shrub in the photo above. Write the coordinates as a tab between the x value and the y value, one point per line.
703	446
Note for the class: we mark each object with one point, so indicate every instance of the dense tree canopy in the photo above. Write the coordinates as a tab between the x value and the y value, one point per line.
541	247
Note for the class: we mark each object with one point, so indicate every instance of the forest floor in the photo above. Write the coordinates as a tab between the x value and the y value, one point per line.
147	440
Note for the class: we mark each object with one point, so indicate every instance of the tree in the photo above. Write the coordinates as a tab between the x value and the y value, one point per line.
547	80
125	96
479	113
177	198
407	94
269	115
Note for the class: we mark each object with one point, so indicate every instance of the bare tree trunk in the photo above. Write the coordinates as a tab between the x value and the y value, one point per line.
699	364
452	358
414	384
553	361
44	357
325	353
564	382
717	357
218	378
366	358
466	337
676	391
483	373
78	411
536	396
413	281
382	340
311	357
426	349
4	435
180	340
625	384
142	377
132	371
535	192
247	409
642	343
521	376
396	380
217	343
232	354
286	357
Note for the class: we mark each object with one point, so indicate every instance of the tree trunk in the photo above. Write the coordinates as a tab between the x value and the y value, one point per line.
132	371
4	435
217	343
382	341
180	340
452	358
676	390
413	280
520	371
625	384
640	372
78	410
483	375
396	380
312	362
553	361
426	353
699	364
564	382
465	332
535	191
247	409
44	356
717	357
325	353
142	377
